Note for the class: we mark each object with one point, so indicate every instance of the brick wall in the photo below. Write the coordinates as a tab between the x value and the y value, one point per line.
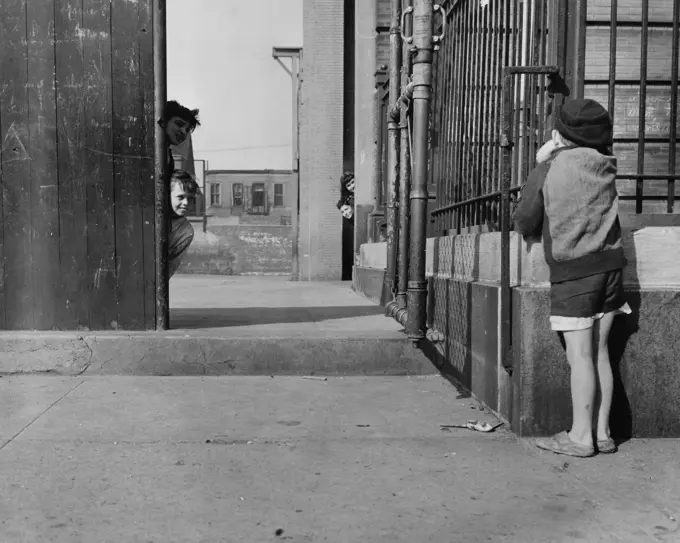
239	250
321	140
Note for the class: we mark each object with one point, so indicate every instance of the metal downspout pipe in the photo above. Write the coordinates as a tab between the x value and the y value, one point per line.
419	90
392	155
397	308
423	41
405	173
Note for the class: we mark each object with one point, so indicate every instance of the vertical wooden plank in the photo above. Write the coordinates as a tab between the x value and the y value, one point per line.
147	171
16	180
73	300
128	121
43	151
98	143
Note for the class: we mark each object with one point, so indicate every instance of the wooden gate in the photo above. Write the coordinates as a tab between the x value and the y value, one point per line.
77	127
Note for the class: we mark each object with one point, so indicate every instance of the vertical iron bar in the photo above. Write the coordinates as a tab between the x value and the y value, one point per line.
580	46
443	93
392	153
613	35
405	177
472	113
422	80
456	130
452	83
542	60
516	103
506	294
487	109
504	60
532	82
479	121
161	161
494	54
435	148
463	118
673	121
644	50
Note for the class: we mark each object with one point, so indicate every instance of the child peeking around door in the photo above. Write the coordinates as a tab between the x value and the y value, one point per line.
183	187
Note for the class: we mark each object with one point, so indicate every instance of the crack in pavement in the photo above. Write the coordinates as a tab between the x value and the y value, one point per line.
39	415
90	358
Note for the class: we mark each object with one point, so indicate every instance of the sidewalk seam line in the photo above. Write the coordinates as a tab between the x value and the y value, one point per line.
10	440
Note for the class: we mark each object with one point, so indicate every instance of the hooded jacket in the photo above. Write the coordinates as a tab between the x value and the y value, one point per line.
571	199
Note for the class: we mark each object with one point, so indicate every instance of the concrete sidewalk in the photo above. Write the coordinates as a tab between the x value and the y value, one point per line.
233	325
355	459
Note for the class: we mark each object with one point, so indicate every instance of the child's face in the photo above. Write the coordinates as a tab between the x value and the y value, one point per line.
177	130
179	200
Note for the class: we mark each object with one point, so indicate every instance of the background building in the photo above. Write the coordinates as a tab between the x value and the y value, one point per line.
247	224
250	196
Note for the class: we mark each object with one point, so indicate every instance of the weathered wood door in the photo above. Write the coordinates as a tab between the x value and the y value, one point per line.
77	131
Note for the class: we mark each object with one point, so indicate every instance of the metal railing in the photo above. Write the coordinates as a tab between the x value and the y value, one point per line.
609	52
466	147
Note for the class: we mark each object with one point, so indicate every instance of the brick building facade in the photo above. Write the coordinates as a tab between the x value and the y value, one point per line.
322	139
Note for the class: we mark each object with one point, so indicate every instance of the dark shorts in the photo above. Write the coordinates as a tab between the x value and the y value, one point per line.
574	305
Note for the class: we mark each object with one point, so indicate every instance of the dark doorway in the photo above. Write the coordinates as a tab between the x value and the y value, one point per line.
348	136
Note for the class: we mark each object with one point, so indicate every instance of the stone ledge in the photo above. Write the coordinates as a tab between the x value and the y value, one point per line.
368	282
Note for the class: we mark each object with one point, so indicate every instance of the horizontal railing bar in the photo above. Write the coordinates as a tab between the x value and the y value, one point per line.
532	70
648	139
649	177
644	198
632	82
630	24
476	199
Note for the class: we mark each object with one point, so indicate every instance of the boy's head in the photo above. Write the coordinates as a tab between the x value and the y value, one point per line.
584	123
348	181
178	122
182	188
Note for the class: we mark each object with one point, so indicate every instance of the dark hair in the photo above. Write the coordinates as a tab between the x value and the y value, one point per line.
346	178
185	180
175	109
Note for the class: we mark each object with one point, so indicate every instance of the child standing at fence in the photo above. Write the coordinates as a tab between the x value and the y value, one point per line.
571	199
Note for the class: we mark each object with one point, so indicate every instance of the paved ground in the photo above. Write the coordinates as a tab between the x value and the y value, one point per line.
233	326
354	459
243	305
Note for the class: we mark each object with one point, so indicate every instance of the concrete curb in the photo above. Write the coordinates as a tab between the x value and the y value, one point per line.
154	354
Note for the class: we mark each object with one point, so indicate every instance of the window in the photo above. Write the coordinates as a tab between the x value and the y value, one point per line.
237	195
258	198
278	194
215	194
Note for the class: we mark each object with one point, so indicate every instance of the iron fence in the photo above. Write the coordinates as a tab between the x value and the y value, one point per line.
614	52
466	144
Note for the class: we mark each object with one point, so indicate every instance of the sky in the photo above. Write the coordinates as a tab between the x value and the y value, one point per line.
220	61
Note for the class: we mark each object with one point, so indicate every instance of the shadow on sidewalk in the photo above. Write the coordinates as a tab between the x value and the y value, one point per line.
252	316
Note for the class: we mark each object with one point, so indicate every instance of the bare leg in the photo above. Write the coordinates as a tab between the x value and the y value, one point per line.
580	356
604	374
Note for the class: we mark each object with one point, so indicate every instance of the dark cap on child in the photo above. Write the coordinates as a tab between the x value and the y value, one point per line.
586	123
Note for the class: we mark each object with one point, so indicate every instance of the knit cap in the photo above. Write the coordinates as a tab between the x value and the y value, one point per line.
586	123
